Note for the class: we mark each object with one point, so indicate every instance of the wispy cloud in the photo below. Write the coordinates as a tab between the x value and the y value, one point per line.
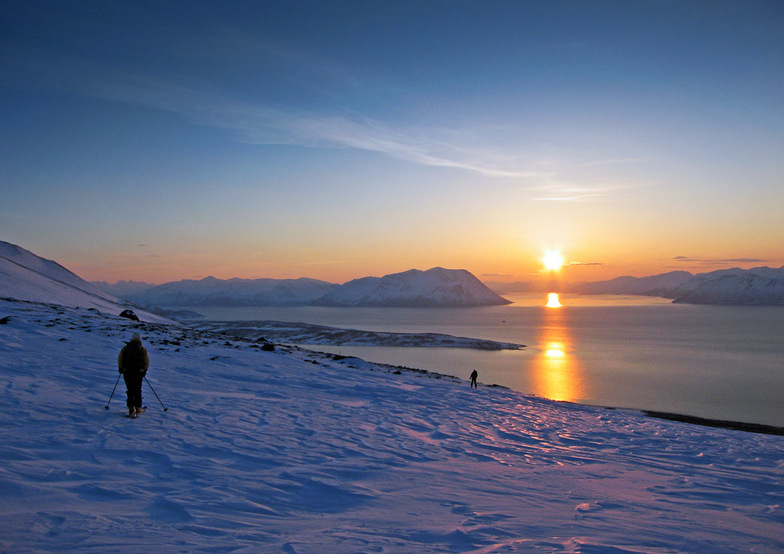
258	123
262	122
569	193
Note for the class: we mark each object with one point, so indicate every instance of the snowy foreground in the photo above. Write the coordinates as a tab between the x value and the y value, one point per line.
293	451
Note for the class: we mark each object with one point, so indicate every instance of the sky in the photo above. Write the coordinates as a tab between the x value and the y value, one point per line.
159	141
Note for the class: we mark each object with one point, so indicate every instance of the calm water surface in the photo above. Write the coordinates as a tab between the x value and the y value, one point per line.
721	362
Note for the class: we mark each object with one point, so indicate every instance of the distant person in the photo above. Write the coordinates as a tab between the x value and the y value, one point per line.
474	375
133	362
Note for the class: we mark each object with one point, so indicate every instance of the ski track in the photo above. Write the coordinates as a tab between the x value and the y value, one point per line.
296	451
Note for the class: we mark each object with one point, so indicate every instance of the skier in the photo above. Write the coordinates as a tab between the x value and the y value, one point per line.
133	362
474	375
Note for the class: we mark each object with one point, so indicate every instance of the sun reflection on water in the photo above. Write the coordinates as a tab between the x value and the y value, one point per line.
557	372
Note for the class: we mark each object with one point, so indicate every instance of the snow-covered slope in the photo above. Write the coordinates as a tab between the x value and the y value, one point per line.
757	286
25	276
435	287
294	451
235	292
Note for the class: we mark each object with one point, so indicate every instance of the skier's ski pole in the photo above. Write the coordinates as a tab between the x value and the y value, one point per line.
110	396
156	395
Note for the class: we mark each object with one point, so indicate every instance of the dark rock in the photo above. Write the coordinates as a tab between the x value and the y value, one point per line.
128	314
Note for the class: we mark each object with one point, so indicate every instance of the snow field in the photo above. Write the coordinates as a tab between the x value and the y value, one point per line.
295	451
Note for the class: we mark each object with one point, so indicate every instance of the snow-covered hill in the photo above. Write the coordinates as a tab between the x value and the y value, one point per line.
655	285
234	292
26	276
757	286
295	451
435	287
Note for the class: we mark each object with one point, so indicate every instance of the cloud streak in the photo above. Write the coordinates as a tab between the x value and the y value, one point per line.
258	123
263	123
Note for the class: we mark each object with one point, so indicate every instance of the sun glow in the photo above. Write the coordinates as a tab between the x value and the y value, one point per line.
557	371
553	260
553	301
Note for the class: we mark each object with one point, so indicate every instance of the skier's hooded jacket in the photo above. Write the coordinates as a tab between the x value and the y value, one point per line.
133	358
133	362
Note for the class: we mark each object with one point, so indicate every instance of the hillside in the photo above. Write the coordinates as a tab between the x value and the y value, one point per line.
760	286
435	287
295	451
26	276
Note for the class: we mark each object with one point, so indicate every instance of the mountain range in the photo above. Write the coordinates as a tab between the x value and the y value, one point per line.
26	276
436	287
759	286
223	292
441	287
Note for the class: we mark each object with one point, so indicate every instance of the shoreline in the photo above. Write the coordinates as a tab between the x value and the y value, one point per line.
747	427
248	329
310	334
717	423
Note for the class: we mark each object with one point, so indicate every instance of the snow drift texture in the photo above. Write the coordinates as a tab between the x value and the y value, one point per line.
294	451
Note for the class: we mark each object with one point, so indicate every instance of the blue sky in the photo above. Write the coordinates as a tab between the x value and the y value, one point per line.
165	140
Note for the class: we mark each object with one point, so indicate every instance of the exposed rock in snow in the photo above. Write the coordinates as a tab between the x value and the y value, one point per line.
435	287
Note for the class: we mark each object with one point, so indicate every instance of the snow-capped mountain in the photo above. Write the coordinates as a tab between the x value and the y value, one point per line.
437	287
663	285
25	276
126	290
234	292
760	286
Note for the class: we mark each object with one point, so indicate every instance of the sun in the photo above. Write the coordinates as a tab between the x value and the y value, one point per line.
553	261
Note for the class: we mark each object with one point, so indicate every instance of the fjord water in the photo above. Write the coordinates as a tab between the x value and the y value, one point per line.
718	362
